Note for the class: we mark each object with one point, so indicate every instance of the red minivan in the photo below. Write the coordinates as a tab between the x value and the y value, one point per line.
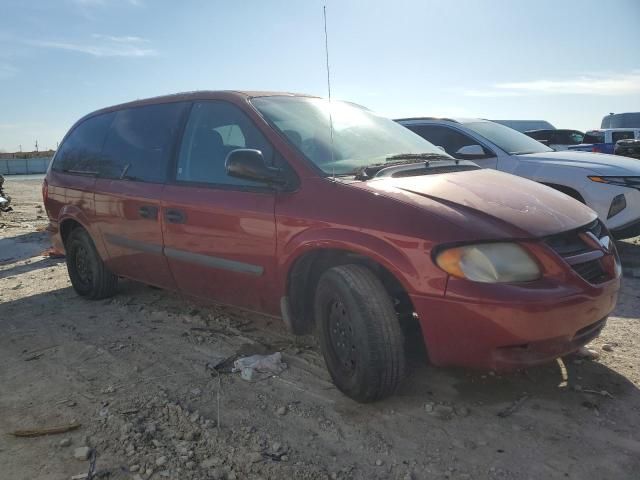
335	219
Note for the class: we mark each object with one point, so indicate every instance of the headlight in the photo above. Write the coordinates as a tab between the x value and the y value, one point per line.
489	263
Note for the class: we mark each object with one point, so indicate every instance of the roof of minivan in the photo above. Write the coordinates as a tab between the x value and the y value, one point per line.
199	95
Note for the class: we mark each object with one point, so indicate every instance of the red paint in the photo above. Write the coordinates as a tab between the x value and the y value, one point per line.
396	222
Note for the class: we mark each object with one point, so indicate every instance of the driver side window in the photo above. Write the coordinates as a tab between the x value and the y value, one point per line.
214	129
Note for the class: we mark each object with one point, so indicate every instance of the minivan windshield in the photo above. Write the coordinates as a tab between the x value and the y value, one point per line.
508	139
360	137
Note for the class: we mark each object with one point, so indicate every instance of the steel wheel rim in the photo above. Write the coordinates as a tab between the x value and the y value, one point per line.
83	265
341	336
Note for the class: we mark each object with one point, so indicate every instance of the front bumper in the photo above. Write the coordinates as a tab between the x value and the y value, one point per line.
629	230
506	327
628	217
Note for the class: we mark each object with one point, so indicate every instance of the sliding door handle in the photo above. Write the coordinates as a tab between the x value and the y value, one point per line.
148	211
175	216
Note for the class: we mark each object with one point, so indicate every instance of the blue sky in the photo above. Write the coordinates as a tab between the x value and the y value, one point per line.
569	62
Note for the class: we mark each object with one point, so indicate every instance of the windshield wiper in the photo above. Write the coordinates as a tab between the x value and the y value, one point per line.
377	169
419	156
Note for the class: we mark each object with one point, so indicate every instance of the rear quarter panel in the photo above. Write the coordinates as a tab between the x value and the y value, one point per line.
71	197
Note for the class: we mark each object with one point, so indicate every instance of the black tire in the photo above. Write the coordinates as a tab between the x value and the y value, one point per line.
360	335
89	276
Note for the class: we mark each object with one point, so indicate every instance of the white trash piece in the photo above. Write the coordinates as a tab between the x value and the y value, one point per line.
269	364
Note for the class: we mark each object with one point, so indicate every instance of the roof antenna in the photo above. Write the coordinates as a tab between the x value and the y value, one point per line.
326	51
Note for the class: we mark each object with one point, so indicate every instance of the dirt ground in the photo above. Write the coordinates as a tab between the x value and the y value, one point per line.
136	372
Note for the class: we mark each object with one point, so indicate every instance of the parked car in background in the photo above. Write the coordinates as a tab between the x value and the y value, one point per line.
526	125
604	140
628	148
621	120
558	139
609	184
354	229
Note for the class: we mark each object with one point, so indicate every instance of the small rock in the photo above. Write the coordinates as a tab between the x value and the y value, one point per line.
428	407
588	353
160	461
196	392
81	453
134	468
210	462
254	457
379	463
462	411
65	442
607	347
284	458
442	411
282	410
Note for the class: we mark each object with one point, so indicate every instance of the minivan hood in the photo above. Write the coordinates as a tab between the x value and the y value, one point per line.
599	163
487	204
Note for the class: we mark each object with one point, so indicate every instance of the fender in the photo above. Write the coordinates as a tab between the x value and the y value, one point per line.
358	242
72	212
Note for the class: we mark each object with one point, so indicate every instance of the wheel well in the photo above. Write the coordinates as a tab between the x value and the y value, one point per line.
67	227
306	271
567	191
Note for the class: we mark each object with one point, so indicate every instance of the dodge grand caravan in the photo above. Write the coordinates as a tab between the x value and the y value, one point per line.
336	220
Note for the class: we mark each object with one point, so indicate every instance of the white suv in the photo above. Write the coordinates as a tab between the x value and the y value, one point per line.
609	184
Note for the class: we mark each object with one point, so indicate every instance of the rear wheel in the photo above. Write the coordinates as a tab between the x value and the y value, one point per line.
88	274
360	335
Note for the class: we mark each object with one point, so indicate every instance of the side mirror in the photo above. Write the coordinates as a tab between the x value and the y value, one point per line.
470	152
249	164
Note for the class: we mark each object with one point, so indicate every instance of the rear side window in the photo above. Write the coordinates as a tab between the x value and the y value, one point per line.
213	130
593	137
140	142
615	136
81	150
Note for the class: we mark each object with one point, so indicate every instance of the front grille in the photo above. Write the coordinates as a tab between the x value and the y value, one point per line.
591	271
570	244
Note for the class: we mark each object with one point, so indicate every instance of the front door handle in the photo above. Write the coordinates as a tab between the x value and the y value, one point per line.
148	211
175	216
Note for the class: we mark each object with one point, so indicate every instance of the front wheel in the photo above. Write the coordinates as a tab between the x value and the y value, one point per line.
88	274
360	335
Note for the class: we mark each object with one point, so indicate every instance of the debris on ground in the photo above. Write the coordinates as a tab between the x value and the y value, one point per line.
261	364
39	432
514	407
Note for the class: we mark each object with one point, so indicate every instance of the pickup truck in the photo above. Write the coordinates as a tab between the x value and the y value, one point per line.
604	140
